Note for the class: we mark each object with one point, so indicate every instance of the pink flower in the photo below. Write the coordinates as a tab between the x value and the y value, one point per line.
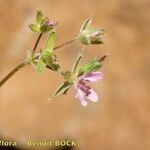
84	91
51	24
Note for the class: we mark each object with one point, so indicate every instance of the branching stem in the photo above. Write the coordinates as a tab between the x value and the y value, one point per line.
17	68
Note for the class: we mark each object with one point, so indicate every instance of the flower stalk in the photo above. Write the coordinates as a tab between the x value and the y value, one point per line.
36	43
17	68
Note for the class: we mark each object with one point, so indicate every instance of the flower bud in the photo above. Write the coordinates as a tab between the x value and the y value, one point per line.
47	55
90	36
42	24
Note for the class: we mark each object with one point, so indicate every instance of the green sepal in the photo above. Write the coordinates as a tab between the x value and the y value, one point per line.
39	17
86	24
44	28
97	41
50	42
84	39
91	66
77	63
62	88
41	65
35	28
54	67
91	36
46	56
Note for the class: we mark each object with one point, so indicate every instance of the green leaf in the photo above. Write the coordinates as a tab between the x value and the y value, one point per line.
34	28
41	65
62	88
91	66
39	17
86	24
50	42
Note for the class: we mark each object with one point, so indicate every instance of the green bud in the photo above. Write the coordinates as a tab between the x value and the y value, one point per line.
88	35
42	24
47	56
91	36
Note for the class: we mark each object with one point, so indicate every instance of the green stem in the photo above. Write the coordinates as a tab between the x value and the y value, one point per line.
12	73
17	68
65	44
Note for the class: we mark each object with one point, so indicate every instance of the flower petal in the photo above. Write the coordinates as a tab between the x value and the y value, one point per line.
92	96
81	96
94	76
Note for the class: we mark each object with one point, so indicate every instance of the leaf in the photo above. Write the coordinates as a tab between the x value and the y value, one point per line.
50	42
62	88
86	24
34	28
39	17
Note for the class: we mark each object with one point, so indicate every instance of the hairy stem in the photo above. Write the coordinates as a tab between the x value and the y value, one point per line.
65	44
12	73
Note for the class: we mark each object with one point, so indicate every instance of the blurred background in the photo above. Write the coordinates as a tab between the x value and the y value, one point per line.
121	118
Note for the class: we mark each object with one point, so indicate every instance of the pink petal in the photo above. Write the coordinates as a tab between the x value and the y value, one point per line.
93	96
94	76
81	96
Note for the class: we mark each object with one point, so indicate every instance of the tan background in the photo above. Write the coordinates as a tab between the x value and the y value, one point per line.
121	118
